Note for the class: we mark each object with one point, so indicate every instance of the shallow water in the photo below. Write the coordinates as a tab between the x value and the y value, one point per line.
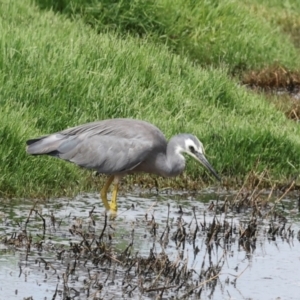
265	269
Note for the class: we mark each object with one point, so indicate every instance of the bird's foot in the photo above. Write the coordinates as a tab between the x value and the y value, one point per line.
113	202
112	215
103	193
113	207
104	200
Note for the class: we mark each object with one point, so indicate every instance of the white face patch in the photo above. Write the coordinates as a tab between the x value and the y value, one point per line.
179	150
190	143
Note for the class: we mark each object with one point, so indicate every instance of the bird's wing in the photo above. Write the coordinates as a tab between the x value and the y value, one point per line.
123	128
106	154
109	146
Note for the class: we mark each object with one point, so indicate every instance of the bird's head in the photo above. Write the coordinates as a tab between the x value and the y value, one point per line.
193	147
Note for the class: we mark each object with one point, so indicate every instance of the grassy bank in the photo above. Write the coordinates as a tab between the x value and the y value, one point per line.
208	32
57	72
282	14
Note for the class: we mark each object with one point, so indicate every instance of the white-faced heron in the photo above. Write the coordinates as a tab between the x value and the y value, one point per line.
118	147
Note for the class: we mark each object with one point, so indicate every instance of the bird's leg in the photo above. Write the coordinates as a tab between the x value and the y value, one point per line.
113	202
104	190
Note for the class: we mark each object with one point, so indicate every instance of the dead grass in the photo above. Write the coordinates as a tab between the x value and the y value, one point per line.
274	77
281	87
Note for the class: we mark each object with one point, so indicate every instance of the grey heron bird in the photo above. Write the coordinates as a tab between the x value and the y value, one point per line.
117	147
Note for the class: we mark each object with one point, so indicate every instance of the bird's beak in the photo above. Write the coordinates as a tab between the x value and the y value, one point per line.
202	159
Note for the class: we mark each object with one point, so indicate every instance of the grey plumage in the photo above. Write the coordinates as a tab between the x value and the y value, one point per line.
121	146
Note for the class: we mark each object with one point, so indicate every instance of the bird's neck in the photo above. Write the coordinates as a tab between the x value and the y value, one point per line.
175	162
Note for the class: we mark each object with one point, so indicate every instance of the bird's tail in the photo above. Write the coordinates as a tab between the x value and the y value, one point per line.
45	145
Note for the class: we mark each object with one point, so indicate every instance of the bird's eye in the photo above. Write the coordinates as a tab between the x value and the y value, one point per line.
192	149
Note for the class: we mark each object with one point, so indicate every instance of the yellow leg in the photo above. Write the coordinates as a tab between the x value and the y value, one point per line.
104	190
113	202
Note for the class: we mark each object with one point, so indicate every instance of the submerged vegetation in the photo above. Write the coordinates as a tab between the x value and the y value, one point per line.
190	250
178	64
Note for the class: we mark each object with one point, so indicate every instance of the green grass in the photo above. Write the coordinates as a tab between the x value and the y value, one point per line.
283	7
56	72
208	32
281	14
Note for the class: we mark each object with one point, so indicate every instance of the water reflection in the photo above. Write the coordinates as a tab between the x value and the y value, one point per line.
204	244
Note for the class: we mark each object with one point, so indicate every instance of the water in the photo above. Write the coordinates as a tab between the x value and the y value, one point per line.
265	268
